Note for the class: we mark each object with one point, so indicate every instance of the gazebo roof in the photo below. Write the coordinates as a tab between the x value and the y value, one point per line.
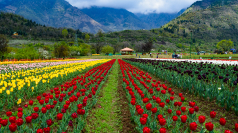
126	49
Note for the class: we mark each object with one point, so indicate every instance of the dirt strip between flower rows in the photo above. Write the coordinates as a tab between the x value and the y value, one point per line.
205	107
111	113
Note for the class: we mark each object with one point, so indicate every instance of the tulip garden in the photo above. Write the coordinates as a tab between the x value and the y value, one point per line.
58	97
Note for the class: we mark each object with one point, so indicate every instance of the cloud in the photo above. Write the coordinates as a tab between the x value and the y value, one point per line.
136	6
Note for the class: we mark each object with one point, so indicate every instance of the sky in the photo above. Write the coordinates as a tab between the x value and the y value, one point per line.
137	6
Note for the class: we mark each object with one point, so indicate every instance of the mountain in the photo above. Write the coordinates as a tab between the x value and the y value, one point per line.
209	20
115	19
55	13
27	29
155	20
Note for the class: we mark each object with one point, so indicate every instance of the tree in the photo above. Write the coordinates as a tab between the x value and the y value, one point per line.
107	49
64	32
61	50
225	45
148	46
87	37
3	44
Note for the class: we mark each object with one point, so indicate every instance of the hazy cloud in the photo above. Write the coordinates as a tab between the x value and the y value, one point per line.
137	6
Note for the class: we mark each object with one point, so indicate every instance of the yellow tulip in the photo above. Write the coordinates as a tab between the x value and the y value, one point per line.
19	101
8	92
0	91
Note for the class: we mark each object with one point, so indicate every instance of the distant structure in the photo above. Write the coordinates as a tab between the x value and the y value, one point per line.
15	35
126	51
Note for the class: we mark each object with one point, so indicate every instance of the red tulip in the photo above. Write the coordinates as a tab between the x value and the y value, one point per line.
182	99
171	98
48	106
13	127
160	116
196	108
180	94
180	104
47	130
4	122
153	97
154	110
41	102
9	113
161	104
12	119
175	104
228	131
145	115
67	102
146	130
191	111
59	116
148	106
158	89
140	111
28	119
169	111
34	116
158	100
133	102
19	114
30	102
138	107
19	121
167	100
74	115
183	109
26	105
209	126
236	127
201	119
184	118
38	98
143	120
213	114
162	130
178	112
175	118
49	122
39	131
36	109
20	109
66	106
145	100
191	104
193	126
162	121
222	121
43	110
163	91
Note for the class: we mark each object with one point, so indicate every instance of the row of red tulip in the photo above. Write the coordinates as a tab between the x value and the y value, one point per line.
153	105
63	109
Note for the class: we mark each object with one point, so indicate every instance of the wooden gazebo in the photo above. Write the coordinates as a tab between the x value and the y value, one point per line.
126	51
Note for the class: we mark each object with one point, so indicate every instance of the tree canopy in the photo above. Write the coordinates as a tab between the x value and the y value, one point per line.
107	49
225	45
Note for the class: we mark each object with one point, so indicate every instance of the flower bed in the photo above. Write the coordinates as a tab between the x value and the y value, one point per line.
20	85
64	109
154	108
209	81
